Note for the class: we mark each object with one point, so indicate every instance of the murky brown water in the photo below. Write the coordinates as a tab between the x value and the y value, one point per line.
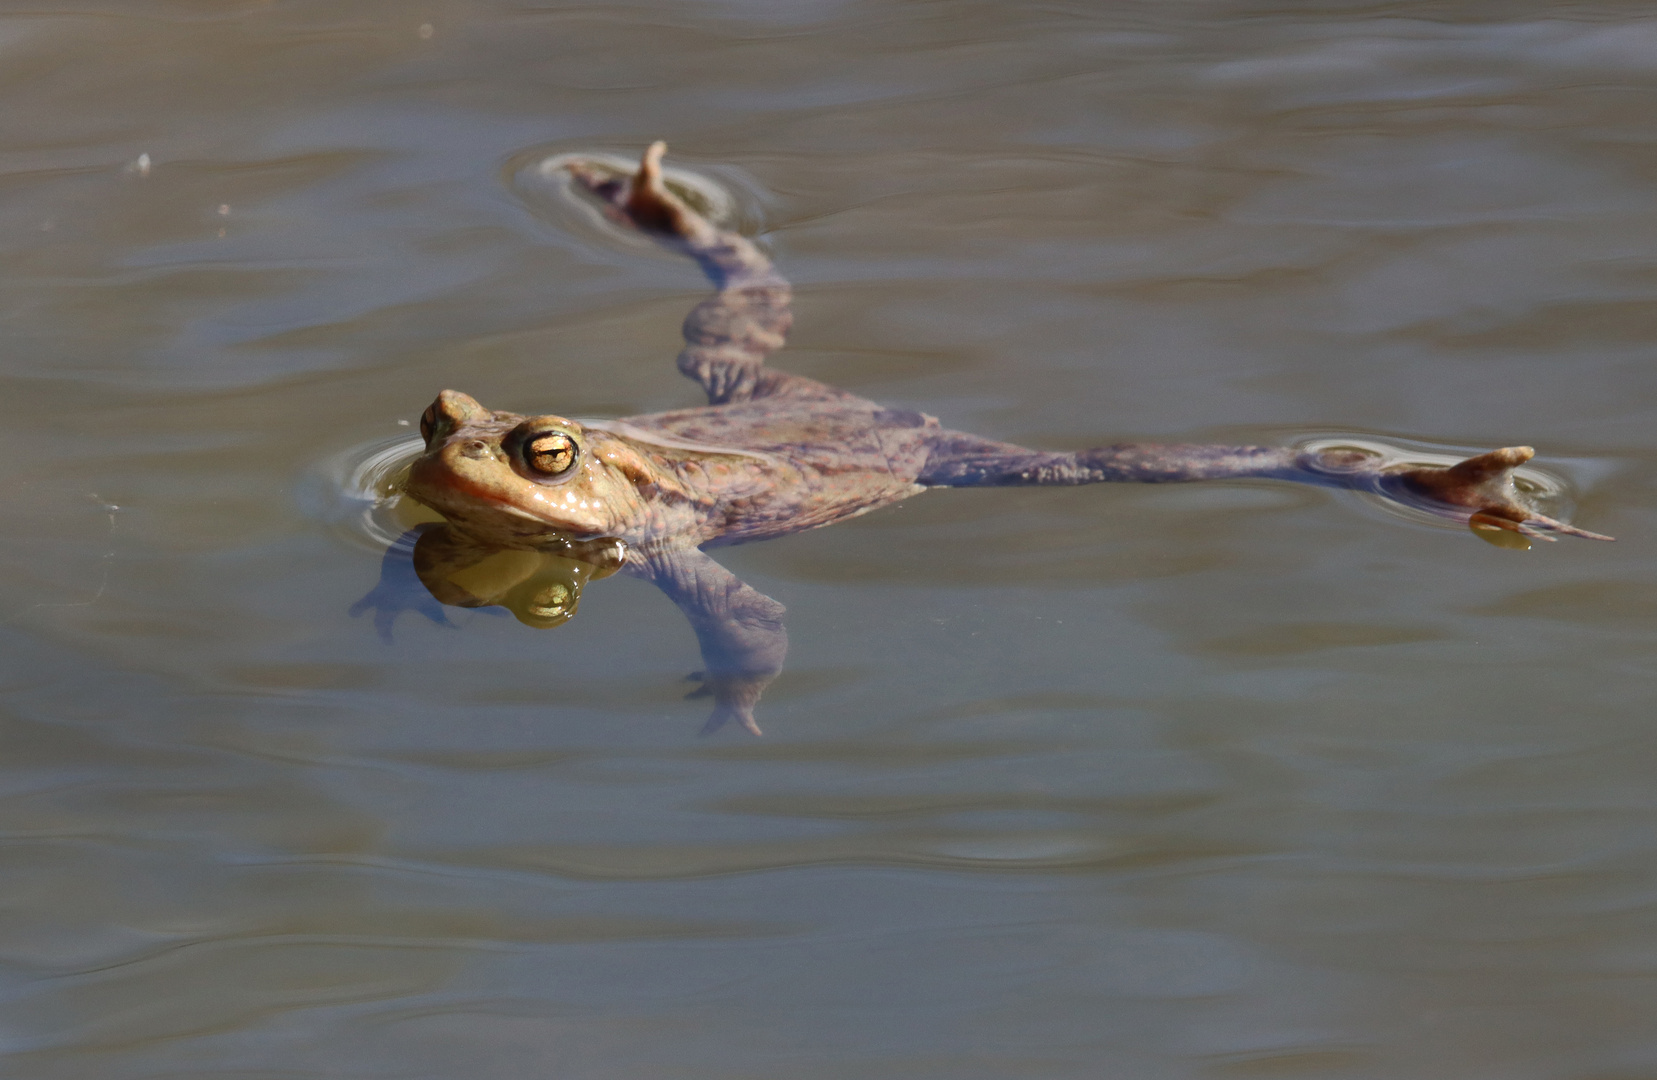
1212	781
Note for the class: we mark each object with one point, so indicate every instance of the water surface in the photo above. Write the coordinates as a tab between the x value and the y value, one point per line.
1240	780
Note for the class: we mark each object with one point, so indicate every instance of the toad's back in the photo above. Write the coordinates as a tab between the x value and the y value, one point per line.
777	465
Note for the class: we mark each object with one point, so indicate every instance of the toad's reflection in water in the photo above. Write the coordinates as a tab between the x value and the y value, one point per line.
741	632
774	453
540	587
432	565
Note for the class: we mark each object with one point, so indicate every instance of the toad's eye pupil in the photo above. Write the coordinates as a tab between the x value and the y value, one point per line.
552	453
428	420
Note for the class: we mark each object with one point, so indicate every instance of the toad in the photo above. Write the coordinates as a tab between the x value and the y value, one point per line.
774	453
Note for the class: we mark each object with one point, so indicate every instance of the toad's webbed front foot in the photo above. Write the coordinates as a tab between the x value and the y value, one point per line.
1481	492
739	629
399	589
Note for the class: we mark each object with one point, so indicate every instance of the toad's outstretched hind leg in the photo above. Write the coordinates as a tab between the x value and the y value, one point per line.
730	334
1478	491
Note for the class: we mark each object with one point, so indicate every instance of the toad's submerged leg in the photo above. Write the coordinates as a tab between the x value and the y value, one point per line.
731	333
739	628
1479	491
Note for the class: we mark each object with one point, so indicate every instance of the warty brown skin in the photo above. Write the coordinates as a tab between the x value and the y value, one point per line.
774	453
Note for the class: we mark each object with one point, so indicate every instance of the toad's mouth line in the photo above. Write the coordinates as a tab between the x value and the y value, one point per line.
470	496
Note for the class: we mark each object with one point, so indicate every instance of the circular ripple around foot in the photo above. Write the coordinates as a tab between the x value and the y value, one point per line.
1548	491
542	180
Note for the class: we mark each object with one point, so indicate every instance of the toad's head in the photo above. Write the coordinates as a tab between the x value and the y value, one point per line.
525	481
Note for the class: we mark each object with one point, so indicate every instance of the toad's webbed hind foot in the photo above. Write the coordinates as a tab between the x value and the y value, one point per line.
730	334
1480	491
643	199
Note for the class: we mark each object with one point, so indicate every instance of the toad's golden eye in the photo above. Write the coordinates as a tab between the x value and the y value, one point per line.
428	421
552	452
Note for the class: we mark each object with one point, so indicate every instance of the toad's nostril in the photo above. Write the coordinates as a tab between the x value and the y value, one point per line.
476	448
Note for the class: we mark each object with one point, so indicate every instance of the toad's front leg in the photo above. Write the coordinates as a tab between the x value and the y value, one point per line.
739	628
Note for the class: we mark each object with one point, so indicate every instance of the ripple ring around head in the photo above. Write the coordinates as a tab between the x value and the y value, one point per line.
358	492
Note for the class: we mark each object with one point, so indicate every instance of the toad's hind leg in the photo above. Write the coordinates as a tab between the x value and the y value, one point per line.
1479	491
729	335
